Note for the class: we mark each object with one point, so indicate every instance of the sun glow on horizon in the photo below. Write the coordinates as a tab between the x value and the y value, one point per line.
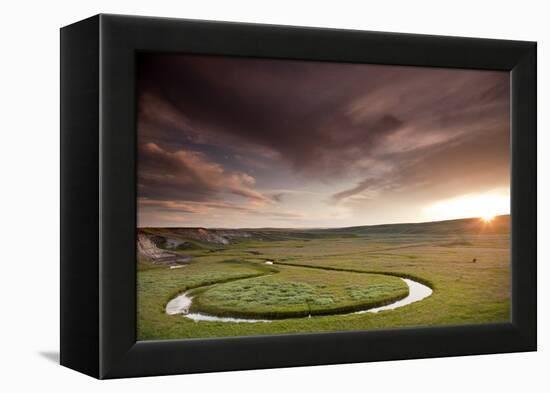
485	206
487	217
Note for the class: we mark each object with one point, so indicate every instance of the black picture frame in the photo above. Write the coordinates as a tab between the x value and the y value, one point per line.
98	196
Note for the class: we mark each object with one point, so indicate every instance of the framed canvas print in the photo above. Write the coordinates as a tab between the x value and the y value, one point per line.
239	196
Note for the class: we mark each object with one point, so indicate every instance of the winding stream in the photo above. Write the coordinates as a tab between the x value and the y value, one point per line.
417	292
182	303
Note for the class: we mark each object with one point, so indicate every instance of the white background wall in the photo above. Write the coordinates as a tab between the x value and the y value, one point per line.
29	215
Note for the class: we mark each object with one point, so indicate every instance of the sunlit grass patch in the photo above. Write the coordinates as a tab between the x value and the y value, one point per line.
298	292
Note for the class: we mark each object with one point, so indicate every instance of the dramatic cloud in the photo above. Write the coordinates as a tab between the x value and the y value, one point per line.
189	175
176	207
334	136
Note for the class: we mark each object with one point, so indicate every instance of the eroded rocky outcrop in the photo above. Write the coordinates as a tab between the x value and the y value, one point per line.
148	249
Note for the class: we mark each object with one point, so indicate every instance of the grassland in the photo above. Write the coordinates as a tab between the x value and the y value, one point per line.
328	272
299	292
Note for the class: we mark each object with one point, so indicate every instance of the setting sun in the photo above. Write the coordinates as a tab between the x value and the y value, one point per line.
487	217
484	206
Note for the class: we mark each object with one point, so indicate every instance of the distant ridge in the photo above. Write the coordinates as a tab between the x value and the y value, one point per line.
498	225
200	238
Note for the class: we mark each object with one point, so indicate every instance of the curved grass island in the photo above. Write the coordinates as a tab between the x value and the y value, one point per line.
295	293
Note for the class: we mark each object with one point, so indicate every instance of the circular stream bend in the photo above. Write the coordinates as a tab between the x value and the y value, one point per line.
182	303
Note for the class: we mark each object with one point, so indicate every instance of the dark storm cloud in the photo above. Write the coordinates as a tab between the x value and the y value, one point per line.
317	116
299	110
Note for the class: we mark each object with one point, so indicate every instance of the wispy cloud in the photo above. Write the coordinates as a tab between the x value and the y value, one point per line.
190	175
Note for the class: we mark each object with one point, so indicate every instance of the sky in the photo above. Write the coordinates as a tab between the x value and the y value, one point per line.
228	142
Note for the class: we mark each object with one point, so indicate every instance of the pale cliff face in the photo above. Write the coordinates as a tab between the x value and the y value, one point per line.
147	249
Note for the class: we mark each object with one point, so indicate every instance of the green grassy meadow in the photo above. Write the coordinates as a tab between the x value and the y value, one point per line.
319	276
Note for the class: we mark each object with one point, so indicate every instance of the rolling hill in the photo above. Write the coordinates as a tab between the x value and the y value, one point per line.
207	238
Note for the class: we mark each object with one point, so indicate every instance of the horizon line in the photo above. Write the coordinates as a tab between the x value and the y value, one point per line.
313	228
